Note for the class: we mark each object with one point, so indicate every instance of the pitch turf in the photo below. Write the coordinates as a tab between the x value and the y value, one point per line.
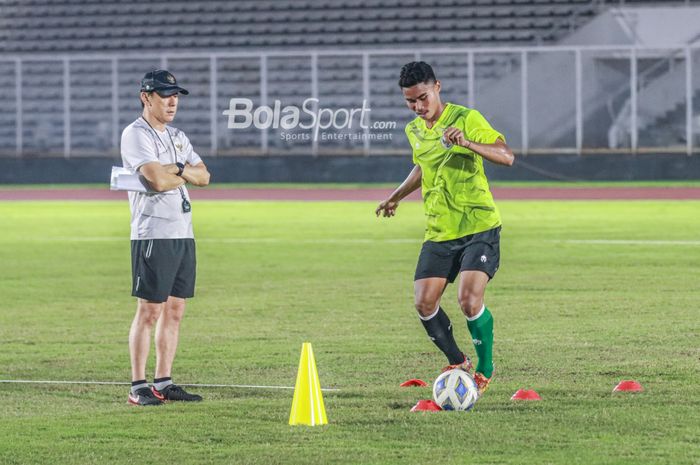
387	185
572	319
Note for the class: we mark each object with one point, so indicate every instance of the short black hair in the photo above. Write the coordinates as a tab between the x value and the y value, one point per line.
142	105
416	72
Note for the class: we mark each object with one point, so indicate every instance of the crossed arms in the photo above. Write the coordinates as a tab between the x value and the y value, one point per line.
164	177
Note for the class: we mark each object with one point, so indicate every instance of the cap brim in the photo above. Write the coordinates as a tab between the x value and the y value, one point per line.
167	92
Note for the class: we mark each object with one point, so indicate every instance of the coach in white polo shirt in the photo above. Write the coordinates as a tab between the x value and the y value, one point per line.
163	261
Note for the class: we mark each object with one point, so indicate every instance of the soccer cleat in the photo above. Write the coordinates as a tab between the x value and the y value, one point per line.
482	382
175	392
466	365
143	397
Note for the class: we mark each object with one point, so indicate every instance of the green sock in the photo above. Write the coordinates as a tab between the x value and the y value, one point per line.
481	329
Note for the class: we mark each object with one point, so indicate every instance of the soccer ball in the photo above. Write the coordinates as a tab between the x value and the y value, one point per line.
455	390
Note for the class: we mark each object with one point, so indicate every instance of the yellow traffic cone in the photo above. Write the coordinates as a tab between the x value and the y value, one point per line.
307	406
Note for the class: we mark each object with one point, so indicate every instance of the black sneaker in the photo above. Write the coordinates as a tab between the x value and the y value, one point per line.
143	397
175	392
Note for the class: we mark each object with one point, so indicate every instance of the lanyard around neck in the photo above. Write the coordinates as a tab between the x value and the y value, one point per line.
155	133
185	203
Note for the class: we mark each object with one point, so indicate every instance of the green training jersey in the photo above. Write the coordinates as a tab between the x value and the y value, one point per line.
456	194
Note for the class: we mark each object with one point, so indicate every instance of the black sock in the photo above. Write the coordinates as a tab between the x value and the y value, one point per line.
439	329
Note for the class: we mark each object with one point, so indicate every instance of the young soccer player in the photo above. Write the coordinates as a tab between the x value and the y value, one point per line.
462	236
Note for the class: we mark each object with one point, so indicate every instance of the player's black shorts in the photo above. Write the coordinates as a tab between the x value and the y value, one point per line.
447	259
162	268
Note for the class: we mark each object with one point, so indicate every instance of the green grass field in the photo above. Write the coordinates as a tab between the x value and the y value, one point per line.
572	319
388	185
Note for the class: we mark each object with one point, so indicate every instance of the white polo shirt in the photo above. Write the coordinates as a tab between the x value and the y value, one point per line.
157	215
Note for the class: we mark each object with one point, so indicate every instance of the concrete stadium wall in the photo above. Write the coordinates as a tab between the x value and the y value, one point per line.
368	169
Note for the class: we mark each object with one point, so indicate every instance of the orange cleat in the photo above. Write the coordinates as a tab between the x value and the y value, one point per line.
482	382
466	365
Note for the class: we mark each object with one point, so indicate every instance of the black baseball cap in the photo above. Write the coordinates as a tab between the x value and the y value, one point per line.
161	82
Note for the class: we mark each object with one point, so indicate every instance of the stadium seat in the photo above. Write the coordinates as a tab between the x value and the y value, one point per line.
58	27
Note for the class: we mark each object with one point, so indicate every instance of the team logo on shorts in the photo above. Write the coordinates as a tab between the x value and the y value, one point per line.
483	259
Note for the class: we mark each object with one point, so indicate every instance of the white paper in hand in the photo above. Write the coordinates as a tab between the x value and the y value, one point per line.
123	179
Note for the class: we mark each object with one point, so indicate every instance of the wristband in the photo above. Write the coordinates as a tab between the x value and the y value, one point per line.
180	168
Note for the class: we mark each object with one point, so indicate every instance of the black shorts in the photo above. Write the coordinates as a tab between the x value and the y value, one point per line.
162	268
480	252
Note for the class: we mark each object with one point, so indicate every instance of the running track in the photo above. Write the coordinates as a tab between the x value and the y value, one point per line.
370	194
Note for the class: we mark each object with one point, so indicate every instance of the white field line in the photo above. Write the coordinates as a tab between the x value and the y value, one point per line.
118	383
277	240
237	240
627	242
230	240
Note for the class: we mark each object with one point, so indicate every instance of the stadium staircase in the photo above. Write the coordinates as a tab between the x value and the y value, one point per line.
605	85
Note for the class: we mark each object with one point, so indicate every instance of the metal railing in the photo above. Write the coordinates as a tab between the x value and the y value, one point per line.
546	99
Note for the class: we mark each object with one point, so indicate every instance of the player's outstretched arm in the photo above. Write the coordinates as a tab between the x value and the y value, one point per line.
412	182
161	178
498	152
197	174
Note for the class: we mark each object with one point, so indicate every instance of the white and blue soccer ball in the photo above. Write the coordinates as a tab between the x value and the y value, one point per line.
455	390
